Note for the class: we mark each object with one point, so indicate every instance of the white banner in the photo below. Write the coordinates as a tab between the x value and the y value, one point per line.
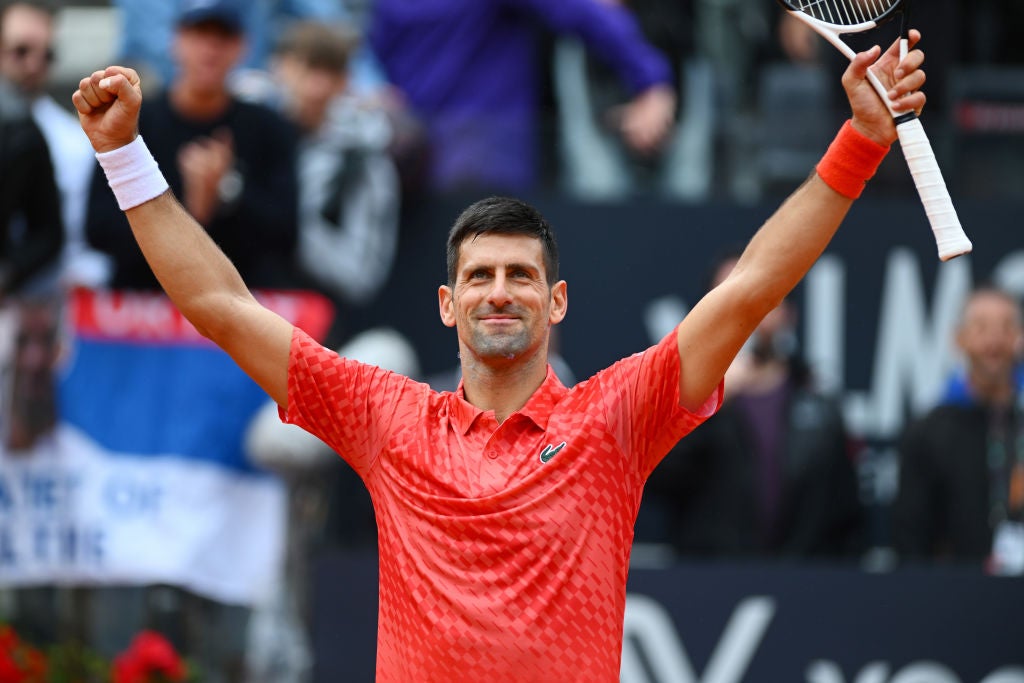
71	513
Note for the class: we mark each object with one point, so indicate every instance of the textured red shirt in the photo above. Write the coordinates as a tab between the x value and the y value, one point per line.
503	547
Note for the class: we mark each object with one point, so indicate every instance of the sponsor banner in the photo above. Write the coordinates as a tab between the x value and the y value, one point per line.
751	623
143	479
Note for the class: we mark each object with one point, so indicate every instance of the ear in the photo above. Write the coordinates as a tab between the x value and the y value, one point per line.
446	305
559	302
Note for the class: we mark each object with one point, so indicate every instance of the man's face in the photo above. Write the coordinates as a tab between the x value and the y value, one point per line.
36	351
500	302
26	48
309	90
990	335
205	55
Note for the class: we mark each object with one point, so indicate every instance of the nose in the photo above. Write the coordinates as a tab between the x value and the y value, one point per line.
499	296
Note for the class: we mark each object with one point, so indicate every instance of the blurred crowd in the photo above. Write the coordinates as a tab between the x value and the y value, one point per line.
301	134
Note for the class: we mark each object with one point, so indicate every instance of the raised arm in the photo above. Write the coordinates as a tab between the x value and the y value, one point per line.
789	243
193	271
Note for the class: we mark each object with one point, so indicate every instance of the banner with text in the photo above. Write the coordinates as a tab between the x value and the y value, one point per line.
706	622
139	476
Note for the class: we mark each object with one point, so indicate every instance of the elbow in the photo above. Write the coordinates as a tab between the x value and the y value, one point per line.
756	295
214	317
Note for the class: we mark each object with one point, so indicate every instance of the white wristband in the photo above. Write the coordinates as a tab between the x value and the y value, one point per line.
132	174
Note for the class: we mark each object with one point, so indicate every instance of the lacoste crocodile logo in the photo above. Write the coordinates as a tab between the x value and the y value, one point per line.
550	451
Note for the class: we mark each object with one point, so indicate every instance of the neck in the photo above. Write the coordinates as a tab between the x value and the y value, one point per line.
198	104
502	388
996	391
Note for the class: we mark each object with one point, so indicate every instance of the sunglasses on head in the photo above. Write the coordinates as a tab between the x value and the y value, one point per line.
23	51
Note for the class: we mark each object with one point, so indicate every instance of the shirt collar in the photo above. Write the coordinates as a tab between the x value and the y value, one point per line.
462	414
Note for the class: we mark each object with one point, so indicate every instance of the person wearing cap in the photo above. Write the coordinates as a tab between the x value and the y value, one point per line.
232	162
147	29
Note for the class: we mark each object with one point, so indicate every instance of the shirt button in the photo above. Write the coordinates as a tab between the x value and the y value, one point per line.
492	454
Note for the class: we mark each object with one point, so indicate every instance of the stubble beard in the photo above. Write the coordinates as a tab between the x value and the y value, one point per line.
506	345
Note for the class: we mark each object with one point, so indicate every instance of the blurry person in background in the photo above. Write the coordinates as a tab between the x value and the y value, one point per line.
469	69
32	433
231	162
31	399
147	31
961	493
27	33
349	194
773	473
31	233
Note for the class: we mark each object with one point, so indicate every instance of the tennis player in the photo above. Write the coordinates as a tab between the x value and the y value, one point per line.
505	509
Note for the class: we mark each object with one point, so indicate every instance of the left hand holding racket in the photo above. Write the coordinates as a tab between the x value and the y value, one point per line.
903	79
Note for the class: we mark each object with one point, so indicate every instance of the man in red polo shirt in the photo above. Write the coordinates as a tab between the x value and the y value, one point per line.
505	509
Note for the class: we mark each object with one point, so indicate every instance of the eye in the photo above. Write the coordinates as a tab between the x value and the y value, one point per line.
478	274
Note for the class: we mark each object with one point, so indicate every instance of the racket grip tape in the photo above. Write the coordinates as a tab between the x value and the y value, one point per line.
938	206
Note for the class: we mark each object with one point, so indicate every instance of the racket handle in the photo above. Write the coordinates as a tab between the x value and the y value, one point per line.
949	236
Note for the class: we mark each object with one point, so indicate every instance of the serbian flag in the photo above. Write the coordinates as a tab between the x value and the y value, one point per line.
145	479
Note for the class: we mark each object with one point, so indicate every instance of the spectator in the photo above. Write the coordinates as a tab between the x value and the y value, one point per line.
771	474
31	397
470	72
31	234
232	162
349	191
28	28
595	162
961	494
147	30
32	431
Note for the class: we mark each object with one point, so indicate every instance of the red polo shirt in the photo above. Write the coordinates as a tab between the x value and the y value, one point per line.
503	547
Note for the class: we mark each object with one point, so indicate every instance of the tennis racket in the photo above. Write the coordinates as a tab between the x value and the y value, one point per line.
831	18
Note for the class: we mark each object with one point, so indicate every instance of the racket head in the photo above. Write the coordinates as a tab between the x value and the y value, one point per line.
844	14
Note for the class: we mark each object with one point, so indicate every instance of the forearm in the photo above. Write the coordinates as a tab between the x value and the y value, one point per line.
190	267
793	238
196	275
779	254
788	244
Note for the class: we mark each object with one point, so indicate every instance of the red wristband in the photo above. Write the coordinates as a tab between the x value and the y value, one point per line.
850	161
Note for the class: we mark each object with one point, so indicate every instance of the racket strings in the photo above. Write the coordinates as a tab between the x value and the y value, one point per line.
844	12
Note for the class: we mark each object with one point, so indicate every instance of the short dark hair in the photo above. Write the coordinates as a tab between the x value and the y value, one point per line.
319	45
503	216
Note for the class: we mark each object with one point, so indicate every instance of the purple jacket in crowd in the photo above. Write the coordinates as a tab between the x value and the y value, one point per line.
470	70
